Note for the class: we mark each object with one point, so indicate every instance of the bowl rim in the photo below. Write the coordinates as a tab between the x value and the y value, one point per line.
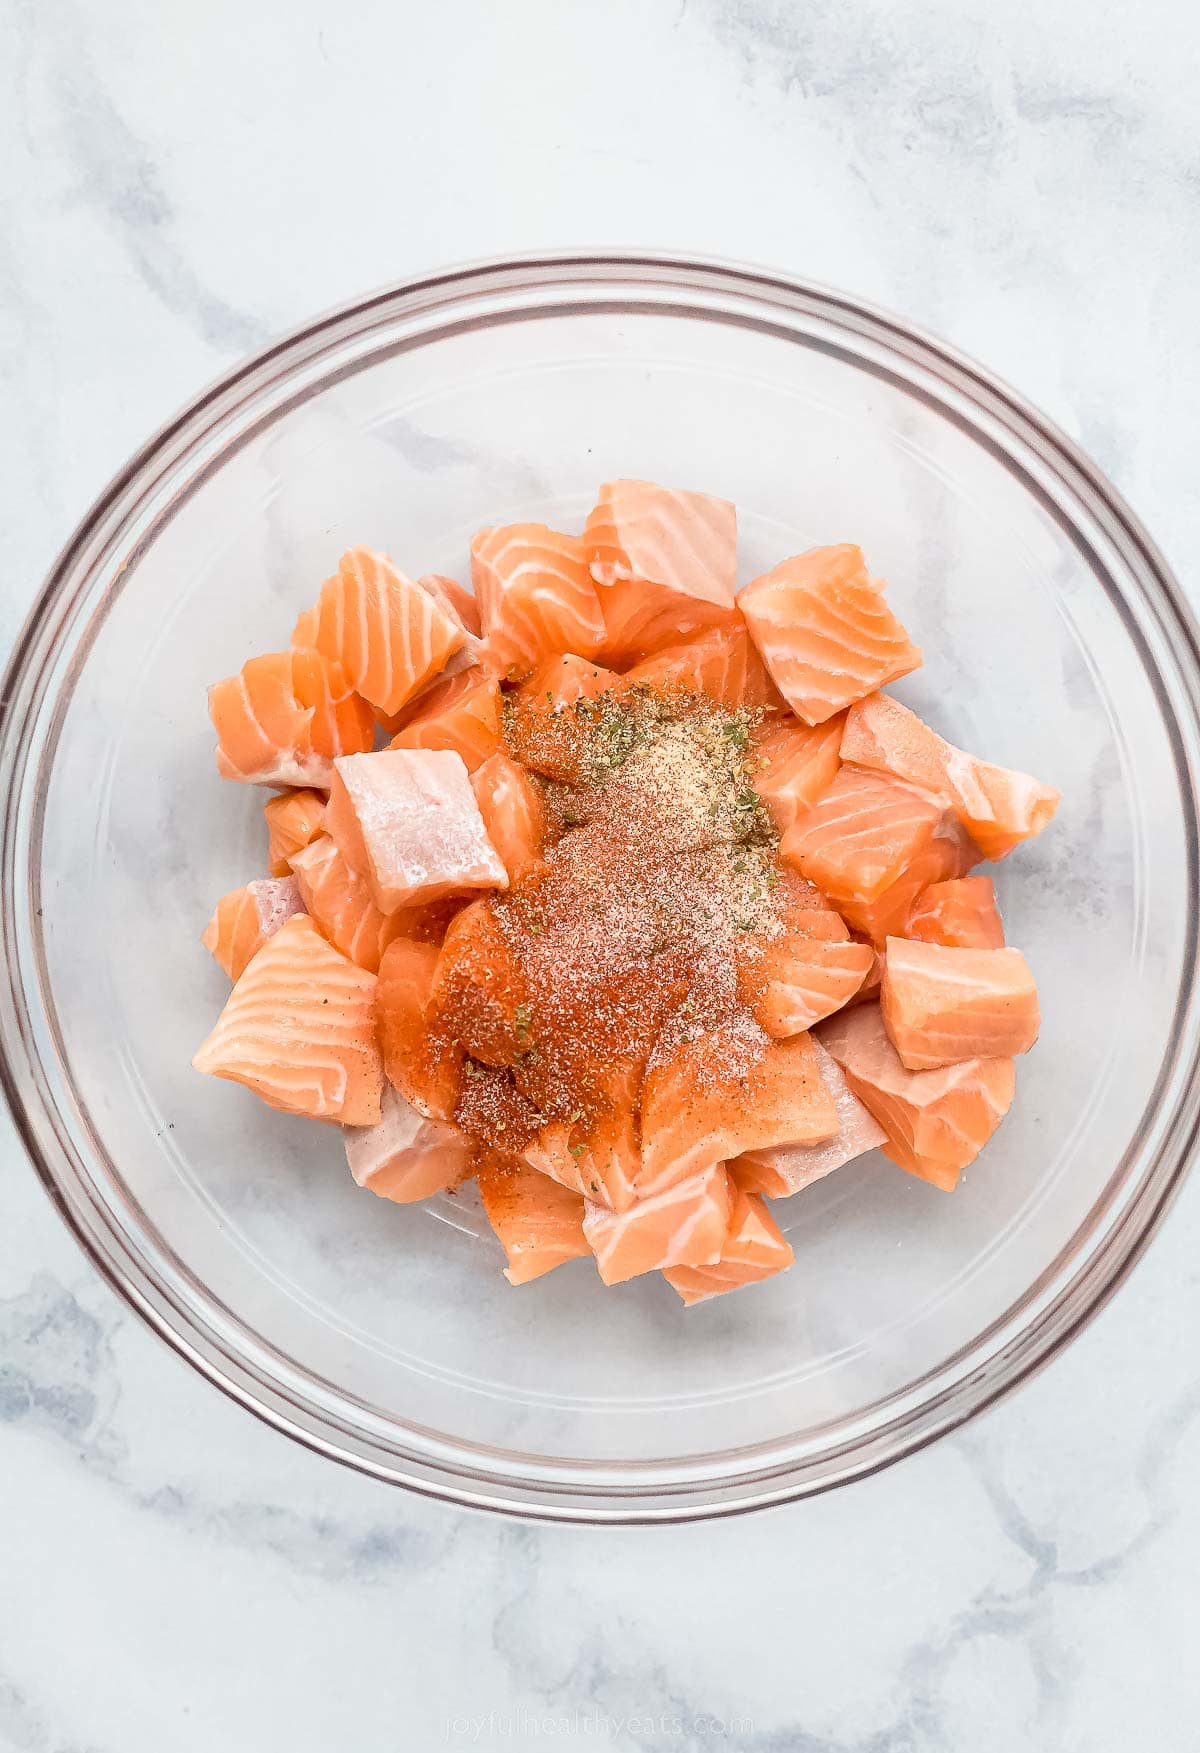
623	275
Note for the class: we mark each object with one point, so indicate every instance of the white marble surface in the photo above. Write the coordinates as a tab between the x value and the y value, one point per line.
180	182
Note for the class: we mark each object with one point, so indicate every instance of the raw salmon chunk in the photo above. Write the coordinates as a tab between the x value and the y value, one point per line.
389	635
421	1063
947	855
284	718
407	820
341	903
860	835
941	1006
480	995
724	1092
825	631
246	918
685	1225
405	1156
936	1121
997	807
458	602
600	1159
539	1223
961	913
793	763
664	562
753	1249
787	1168
802	966
514	814
462	714
721	663
543	728
299	1030
535	597
294	821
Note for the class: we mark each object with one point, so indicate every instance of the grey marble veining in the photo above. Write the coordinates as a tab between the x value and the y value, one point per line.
179	183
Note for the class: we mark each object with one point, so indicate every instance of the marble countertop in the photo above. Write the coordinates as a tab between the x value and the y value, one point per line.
178	184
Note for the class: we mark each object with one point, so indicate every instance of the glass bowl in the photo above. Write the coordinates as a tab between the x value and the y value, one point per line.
385	1336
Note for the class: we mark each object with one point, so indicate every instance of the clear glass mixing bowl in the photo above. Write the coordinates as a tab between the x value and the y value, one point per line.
1055	640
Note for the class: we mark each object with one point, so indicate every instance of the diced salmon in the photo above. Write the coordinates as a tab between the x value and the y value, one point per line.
390	635
787	1168
285	717
720	663
341	903
543	728
860	835
535	597
936	1121
664	562
462	714
793	763
825	631
405	1156
600	1159
998	808
947	855
754	1248
539	1223
800	978
730	1090
420	1062
245	918
941	1005
685	1225
294	820
458	602
961	914
299	1030
514	814
407	820
480	995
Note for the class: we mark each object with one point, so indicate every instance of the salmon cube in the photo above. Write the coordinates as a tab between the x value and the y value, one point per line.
535	597
787	1168
390	636
720	663
941	1005
341	903
480	995
422	1064
293	822
514	814
825	631
754	1248
284	718
405	1156
948	855
539	1223
860	835
599	1159
961	913
664	562
800	979
299	1030
793	763
407	820
685	1225
461	714
998	808
548	721
726	1091
245	918
936	1121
